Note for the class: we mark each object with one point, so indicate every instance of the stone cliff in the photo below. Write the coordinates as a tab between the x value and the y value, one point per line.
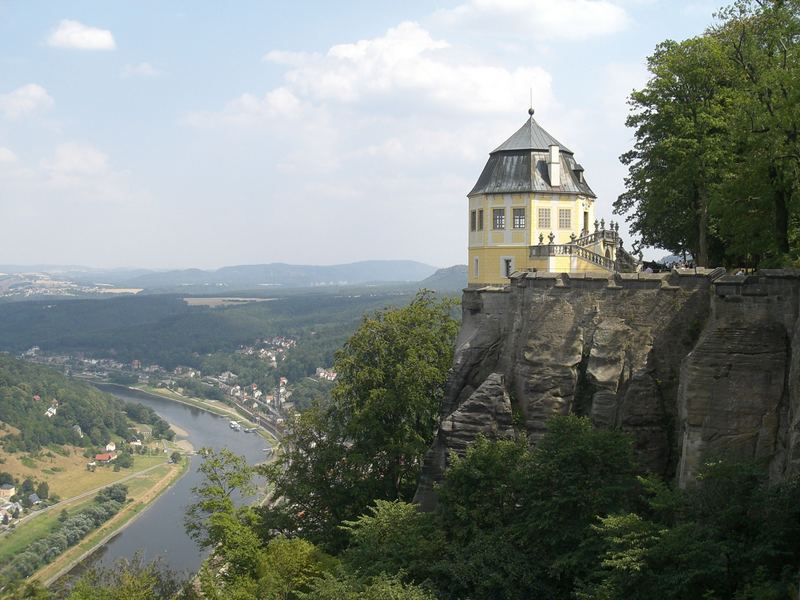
693	365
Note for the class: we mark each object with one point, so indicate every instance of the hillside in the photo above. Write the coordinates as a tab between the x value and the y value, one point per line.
163	329
450	279
279	274
28	391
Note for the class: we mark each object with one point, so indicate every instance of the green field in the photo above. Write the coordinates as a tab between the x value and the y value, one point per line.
35	529
143	491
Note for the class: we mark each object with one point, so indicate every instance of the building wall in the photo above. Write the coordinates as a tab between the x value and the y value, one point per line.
491	246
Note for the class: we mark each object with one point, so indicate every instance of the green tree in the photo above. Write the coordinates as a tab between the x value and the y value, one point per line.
43	490
210	519
762	41
129	579
519	520
284	569
395	537
680	154
382	587
729	536
369	441
124	460
175	457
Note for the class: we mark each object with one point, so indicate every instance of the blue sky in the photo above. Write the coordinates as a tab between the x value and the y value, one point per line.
206	134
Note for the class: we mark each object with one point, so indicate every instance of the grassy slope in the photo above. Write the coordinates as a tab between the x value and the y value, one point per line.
67	475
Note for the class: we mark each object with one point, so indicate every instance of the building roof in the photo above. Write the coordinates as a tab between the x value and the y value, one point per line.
520	165
530	136
7	486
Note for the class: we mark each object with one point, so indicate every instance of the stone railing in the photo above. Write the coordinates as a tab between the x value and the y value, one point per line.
571	249
608	235
626	261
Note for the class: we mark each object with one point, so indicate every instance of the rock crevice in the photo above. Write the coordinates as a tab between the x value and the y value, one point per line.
693	365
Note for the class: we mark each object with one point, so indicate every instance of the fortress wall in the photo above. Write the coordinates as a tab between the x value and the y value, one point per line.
690	363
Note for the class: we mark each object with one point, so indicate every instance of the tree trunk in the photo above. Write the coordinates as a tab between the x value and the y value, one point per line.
701	209
781	211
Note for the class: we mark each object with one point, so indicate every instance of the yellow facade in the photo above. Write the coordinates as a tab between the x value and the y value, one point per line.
531	209
503	227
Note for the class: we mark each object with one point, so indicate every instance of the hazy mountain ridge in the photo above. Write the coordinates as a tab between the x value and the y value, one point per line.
235	277
283	274
448	279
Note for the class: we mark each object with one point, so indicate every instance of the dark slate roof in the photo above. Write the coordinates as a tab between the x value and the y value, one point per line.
530	136
520	165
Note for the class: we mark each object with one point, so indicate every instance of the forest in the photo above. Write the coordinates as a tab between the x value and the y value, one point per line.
27	391
164	330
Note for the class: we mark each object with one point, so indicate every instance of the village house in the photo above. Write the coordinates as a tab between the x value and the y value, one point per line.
7	491
105	457
144	432
111	447
10	508
327	374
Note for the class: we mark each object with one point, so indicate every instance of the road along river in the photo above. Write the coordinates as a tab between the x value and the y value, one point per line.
159	531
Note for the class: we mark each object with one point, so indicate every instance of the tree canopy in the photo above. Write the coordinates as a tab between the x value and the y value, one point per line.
368	441
714	169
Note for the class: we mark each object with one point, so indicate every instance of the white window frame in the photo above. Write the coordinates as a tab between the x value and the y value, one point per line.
562	212
501	212
514	217
545	223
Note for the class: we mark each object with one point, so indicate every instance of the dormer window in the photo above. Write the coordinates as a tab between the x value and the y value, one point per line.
578	173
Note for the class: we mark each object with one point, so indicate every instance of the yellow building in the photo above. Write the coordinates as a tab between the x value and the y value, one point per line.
532	209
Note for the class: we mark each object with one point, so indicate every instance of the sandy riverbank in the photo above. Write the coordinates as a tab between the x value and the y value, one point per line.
181	440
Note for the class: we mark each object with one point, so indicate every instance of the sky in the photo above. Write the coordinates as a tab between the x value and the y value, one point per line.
202	134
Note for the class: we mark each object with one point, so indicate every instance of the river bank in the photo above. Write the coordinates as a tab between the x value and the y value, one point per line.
114	526
159	531
153	522
212	406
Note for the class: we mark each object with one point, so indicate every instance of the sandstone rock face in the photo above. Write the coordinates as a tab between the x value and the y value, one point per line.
692	365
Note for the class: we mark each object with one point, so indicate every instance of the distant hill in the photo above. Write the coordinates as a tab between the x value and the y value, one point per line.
450	279
28	391
163	329
281	274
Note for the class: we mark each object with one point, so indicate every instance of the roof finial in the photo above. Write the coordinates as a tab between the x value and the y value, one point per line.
530	110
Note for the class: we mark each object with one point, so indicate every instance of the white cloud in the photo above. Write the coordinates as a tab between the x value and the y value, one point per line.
7	156
25	100
142	69
402	69
74	158
544	19
285	57
76	35
248	110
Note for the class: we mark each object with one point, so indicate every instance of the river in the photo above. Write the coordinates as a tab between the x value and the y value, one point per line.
159	530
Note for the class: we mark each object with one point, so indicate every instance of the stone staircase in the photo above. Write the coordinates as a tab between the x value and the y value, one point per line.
581	248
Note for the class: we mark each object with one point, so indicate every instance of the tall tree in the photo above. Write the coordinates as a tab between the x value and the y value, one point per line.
369	441
680	152
761	39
